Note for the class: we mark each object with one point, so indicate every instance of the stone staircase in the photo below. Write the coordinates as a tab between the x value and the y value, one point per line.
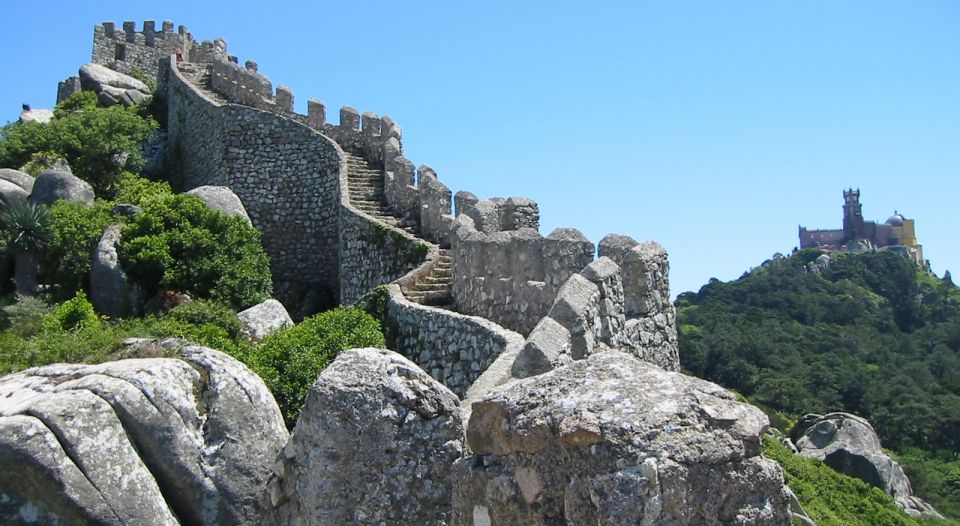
434	288
365	187
365	191
199	76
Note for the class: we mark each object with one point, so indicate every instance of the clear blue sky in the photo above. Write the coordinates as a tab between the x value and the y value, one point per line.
714	128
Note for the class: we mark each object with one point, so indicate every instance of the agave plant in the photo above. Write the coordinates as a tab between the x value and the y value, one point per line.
25	225
25	232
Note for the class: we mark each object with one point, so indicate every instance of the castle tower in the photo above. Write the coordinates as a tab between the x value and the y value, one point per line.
853	227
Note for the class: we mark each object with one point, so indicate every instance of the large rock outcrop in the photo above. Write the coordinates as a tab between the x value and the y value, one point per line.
264	318
56	184
21	179
374	445
848	444
187	439
111	291
111	86
613	440
221	199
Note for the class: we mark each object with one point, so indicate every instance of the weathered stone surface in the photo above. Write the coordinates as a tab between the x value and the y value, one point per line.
94	77
11	194
39	115
264	318
221	199
849	444
374	445
111	291
547	348
21	179
53	185
577	308
137	441
613	440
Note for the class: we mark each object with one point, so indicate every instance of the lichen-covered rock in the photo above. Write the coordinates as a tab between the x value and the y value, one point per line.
221	199
264	318
94	77
139	441
111	292
11	195
849	444
374	445
613	440
21	179
53	185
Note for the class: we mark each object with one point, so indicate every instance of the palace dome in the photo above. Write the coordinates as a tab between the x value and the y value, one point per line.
895	220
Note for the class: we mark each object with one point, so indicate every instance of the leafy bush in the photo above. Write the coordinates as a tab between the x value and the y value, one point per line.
99	143
290	360
177	243
72	315
75	229
203	312
834	499
24	317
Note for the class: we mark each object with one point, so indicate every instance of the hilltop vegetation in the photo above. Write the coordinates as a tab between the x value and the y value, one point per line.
870	334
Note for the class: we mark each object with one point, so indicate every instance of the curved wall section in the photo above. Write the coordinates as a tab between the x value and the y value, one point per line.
286	174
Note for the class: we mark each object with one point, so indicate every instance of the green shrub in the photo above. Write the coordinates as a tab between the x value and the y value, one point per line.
176	242
72	315
75	229
290	360
834	499
99	143
24	317
203	312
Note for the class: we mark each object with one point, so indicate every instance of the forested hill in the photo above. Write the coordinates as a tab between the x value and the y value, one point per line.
868	334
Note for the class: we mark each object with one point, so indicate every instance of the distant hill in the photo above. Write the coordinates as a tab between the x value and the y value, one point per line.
867	333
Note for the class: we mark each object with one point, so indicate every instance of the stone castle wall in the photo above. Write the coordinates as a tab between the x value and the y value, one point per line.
286	174
454	348
349	253
125	49
511	277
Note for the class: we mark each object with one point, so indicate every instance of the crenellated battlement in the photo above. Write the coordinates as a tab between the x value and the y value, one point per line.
297	174
125	49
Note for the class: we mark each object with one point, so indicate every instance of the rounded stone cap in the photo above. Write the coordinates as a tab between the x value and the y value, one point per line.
895	220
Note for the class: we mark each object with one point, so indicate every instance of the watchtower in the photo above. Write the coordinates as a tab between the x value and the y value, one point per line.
853	227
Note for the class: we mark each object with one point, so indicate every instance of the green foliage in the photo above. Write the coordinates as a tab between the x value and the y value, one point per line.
98	143
177	243
89	344
74	230
204	312
146	79
25	227
41	161
421	251
871	335
937	477
290	360
72	315
24	317
833	499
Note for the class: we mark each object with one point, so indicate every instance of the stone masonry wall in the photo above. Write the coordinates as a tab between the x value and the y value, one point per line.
286	175
453	348
372	253
512	277
125	49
